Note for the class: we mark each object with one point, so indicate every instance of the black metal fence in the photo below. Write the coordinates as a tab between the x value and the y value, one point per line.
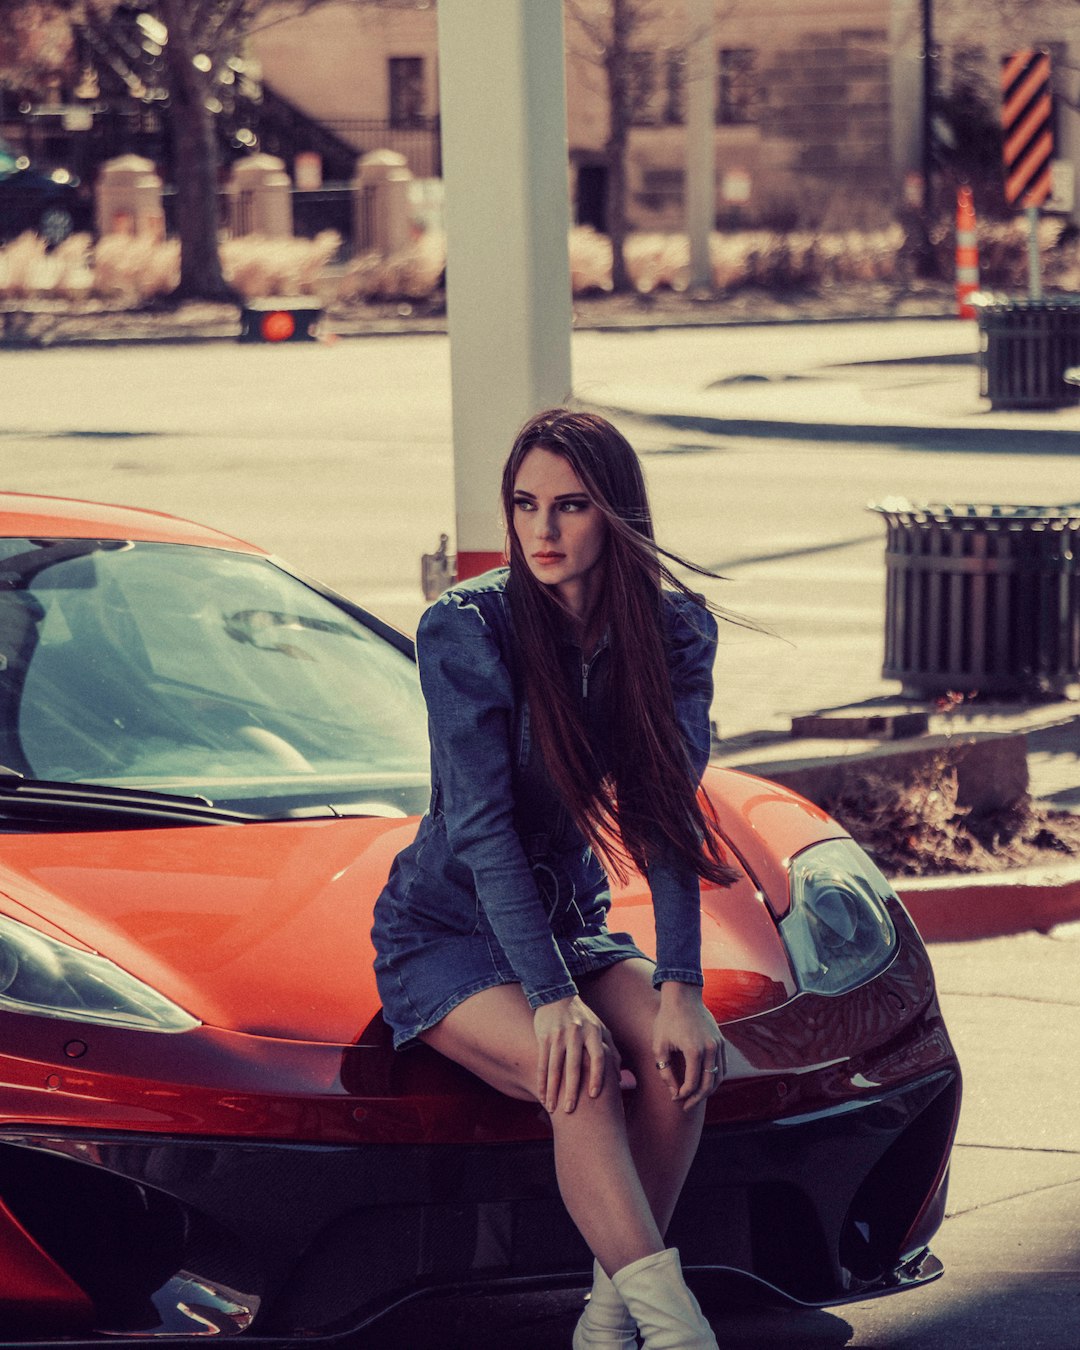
418	140
325	208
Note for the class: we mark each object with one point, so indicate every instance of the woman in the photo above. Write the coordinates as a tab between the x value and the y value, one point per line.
568	700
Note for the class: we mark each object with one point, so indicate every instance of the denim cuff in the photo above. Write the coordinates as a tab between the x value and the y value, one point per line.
542	996
675	976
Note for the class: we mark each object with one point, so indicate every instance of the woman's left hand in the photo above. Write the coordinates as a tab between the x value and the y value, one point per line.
685	1030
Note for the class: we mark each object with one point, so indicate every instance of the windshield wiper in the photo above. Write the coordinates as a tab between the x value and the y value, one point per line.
97	799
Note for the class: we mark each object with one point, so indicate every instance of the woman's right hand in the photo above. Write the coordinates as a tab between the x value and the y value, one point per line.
573	1043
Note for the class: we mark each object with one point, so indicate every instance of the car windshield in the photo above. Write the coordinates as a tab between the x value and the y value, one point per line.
202	672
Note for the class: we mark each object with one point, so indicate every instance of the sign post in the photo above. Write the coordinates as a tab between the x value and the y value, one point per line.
1027	120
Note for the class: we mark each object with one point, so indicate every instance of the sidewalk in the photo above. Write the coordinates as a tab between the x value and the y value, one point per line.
932	398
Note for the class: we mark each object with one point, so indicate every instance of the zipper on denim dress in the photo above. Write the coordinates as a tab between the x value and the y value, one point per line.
586	666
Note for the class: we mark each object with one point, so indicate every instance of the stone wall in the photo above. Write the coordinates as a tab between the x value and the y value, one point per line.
825	123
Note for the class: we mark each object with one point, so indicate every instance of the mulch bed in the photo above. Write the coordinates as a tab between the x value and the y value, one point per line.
918	828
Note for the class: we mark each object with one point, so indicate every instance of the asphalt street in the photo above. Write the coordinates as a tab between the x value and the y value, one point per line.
762	447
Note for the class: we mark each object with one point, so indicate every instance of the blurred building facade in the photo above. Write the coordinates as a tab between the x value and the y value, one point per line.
819	105
820	116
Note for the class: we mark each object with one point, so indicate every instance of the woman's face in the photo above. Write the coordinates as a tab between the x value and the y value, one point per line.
560	529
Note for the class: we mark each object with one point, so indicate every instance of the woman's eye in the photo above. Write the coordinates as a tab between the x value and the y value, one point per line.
574	506
521	504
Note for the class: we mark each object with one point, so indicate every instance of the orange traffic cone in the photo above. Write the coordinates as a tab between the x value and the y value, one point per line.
967	253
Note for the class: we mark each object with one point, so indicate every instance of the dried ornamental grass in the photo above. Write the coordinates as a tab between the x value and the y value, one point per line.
412	273
257	266
128	270
28	271
132	269
590	260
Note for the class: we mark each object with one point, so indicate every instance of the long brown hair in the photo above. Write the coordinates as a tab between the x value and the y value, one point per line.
647	800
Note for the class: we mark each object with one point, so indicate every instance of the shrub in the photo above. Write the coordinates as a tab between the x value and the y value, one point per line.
132	269
128	270
413	273
28	270
258	267
657	261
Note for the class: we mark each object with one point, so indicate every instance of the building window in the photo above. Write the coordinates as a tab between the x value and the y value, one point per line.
656	87
738	95
406	90
675	105
641	88
662	188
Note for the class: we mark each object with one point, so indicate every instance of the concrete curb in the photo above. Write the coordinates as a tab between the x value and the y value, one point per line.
437	324
959	908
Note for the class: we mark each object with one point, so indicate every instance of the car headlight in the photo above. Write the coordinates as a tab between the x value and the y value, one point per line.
50	979
838	932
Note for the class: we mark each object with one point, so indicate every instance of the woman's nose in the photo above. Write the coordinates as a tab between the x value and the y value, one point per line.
546	526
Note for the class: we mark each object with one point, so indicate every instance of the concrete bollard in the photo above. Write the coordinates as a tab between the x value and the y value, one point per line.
381	203
127	198
259	196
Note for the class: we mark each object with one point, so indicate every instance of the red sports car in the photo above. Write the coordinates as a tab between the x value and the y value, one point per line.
208	763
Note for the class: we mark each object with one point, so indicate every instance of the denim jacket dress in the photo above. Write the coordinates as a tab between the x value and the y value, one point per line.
497	859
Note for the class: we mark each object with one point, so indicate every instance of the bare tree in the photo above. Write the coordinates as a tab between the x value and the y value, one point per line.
199	40
614	30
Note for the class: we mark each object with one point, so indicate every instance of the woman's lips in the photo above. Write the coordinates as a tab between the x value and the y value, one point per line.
548	557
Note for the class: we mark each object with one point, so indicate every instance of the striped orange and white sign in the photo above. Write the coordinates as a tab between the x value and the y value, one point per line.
1027	120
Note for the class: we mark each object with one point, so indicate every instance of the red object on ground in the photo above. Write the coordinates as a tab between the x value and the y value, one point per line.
278	326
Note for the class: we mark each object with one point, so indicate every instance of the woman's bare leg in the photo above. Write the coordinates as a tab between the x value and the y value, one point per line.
663	1136
491	1034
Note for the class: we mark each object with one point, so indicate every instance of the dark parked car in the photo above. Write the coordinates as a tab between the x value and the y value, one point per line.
51	204
207	763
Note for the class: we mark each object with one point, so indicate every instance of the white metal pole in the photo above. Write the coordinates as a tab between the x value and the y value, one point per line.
1035	289
700	140
507	208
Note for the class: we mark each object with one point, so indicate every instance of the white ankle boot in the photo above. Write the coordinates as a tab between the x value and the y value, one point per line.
667	1313
606	1323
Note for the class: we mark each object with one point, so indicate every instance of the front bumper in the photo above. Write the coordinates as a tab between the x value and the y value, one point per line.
273	1239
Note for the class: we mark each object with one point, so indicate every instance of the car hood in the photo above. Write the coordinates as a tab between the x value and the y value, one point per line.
260	928
265	928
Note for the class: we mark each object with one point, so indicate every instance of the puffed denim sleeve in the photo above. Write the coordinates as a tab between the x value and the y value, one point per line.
690	636
470	702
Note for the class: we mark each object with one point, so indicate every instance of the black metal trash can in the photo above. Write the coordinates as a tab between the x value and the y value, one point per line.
982	599
1025	347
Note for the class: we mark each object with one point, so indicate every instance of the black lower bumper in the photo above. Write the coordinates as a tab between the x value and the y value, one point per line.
314	1241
